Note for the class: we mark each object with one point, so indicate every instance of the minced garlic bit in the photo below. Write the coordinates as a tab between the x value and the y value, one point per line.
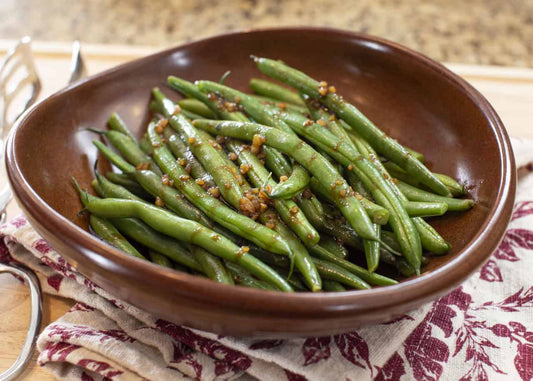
227	186
294	209
246	249
338	182
258	140
309	122
215	237
182	161
350	167
237	99
232	156
200	182
143	166
215	192
321	122
342	192
159	202
185	178
245	168
165	179
192	140
188	168
160	126
332	89
270	225
323	84
283	178
332	117
282	105
176	111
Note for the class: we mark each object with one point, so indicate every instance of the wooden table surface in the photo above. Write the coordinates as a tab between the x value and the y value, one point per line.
510	91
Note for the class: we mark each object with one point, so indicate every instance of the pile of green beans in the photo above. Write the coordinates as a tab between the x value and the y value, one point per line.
279	190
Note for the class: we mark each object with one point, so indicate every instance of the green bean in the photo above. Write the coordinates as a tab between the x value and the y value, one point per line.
281	105
180	150
244	278
339	274
425	209
378	214
129	149
172	198
288	210
384	144
395	171
196	107
212	207
372	250
145	146
415	194
364	274
117	161
205	153
431	240
105	229
315	163
159	259
332	286
333	246
212	266
131	185
302	259
280	93
116	123
187	231
114	190
289	189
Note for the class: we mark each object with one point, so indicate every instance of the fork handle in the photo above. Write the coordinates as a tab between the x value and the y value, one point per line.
35	318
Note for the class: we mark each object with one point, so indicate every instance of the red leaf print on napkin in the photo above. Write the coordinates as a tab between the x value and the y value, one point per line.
522	209
55	281
99	367
491	272
393	370
425	353
316	349
524	361
354	349
514	238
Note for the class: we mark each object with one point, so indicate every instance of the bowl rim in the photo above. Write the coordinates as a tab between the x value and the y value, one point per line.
465	262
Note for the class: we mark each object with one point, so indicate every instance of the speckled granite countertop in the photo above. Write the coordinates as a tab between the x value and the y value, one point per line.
491	32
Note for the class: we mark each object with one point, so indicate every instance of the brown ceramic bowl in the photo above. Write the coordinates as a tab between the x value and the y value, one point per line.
415	99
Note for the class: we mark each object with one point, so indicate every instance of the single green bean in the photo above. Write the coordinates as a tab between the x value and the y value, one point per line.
277	92
131	185
339	274
416	194
116	123
244	278
281	105
197	107
159	259
129	149
425	209
333	246
332	286
212	266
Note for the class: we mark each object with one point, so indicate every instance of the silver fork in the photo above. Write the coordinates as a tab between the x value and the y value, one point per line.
21	57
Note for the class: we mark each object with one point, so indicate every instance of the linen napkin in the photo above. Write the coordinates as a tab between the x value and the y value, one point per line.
482	330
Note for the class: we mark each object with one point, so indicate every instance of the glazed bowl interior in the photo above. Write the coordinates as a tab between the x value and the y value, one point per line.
412	98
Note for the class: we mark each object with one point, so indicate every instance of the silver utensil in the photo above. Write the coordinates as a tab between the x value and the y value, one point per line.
12	83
